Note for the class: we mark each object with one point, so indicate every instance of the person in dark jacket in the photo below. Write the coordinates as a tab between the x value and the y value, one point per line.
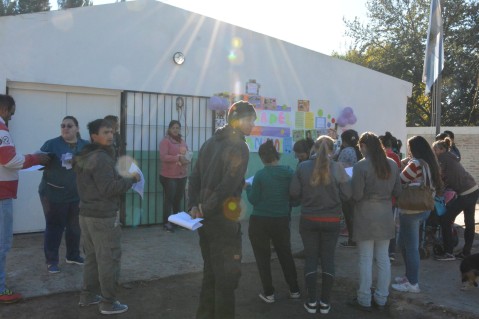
269	221
214	191
59	196
100	187
455	177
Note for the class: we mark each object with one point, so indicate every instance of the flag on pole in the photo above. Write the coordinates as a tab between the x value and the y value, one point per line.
434	57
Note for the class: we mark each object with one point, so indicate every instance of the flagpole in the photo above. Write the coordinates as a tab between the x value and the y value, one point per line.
437	101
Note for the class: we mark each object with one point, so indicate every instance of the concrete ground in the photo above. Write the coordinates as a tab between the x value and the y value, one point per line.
152	256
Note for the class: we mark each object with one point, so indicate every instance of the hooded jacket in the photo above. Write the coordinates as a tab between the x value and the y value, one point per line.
454	175
99	184
217	179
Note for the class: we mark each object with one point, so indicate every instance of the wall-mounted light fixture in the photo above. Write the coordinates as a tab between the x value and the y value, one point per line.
179	58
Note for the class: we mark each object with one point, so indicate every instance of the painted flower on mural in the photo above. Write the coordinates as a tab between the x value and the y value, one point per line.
346	117
218	103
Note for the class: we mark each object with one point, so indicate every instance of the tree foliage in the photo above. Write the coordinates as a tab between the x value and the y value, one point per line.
67	4
8	8
393	42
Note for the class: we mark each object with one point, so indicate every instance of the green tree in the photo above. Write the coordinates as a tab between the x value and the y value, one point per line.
30	6
393	42
8	8
67	4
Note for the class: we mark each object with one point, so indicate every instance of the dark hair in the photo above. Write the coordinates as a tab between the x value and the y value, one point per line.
94	126
351	138
450	134
267	152
420	149
173	122
376	154
441	136
69	117
112	118
323	147
6	102
303	146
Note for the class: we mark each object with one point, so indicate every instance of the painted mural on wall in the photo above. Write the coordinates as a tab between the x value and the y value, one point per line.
280	122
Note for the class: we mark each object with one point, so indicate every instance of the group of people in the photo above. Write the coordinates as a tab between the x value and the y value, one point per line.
81	188
80	193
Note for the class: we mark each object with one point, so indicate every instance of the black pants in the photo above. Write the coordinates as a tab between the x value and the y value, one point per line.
262	231
466	203
220	244
174	189
348	212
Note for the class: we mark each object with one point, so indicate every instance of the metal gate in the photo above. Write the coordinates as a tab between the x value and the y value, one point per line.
144	121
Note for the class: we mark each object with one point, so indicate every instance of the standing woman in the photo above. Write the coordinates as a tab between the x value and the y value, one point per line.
269	221
320	184
375	181
422	167
459	180
349	155
59	195
174	167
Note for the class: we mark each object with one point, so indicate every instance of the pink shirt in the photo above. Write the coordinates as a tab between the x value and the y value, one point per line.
170	163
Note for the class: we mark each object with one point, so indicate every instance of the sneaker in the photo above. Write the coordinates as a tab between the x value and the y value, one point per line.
8	296
355	304
78	261
400	279
294	295
94	301
53	268
267	299
113	308
406	287
392	257
324	308
348	244
445	257
378	306
311	307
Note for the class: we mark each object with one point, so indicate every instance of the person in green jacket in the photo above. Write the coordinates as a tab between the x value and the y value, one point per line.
269	222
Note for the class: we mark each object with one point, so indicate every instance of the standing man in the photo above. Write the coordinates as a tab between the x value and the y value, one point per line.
100	187
10	163
215	187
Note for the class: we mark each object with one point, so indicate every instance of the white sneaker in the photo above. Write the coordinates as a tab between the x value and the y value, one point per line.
324	308
400	279
267	299
406	287
294	295
311	307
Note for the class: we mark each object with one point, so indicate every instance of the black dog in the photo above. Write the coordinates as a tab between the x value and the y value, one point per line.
470	270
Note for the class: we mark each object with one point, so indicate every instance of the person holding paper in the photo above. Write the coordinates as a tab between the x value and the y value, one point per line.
59	195
10	163
174	160
269	221
100	187
215	187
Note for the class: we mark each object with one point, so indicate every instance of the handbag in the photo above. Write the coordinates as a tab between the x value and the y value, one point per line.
439	205
418	196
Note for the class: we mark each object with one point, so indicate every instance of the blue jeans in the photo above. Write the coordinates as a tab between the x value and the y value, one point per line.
409	243
61	217
370	250
174	189
6	236
319	238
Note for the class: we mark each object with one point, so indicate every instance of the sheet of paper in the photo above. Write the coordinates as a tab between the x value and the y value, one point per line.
249	180
349	171
184	219
138	187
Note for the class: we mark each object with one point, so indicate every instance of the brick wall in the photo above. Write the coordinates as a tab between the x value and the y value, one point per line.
466	139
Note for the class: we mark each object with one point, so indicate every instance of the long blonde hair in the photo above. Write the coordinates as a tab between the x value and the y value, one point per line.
323	147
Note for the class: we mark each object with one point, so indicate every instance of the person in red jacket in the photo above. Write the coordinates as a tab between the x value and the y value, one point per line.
10	163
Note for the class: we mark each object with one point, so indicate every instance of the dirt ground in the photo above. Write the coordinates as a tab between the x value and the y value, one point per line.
177	297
